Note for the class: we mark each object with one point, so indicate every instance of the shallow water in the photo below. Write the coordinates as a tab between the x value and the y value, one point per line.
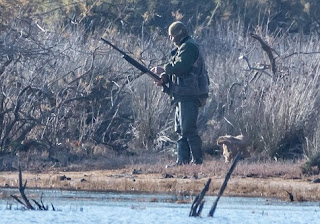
96	207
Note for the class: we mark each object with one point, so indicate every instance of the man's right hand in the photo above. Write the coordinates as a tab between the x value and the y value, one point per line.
158	70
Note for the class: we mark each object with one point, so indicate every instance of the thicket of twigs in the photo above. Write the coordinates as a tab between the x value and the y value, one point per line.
268	93
63	91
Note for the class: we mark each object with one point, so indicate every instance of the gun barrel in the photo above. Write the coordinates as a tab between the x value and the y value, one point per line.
113	46
138	65
141	67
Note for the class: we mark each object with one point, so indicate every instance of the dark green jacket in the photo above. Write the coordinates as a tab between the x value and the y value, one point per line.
180	69
182	58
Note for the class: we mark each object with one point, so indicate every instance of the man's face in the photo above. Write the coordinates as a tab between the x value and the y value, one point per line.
171	37
173	41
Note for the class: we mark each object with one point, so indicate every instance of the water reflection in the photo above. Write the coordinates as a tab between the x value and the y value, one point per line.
100	207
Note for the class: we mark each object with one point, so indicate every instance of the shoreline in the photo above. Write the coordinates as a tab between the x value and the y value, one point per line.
126	180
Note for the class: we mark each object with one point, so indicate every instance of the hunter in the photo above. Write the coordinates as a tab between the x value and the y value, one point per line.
182	72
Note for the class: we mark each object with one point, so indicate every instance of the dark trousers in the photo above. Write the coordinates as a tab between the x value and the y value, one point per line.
189	144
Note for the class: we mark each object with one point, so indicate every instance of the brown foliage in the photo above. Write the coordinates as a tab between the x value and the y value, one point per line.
61	85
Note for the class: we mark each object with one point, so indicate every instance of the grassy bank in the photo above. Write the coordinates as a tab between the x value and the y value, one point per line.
250	179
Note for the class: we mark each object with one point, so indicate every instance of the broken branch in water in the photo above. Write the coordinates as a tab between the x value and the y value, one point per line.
224	185
18	200
198	202
26	203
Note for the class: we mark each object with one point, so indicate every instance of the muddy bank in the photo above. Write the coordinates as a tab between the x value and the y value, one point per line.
132	180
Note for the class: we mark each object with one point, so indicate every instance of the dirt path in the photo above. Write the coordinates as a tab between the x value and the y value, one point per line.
126	180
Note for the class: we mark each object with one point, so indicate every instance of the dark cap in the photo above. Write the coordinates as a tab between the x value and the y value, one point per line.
178	31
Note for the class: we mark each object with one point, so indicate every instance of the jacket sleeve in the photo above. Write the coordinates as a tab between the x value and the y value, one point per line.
183	61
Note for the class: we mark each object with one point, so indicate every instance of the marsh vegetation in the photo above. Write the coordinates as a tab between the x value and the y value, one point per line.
66	98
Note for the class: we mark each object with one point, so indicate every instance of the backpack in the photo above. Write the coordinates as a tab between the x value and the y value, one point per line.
203	80
203	85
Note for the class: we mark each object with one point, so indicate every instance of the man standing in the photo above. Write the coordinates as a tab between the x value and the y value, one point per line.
182	72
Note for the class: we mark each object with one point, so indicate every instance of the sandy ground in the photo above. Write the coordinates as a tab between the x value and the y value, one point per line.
131	180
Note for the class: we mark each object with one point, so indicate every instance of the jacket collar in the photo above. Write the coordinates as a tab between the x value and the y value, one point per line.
174	51
184	40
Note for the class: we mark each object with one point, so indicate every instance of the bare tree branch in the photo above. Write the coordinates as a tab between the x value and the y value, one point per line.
268	50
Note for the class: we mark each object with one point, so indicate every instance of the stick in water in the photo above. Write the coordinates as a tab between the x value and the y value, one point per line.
198	202
224	185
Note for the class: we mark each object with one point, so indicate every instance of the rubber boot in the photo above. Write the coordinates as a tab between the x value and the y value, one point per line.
195	144
184	155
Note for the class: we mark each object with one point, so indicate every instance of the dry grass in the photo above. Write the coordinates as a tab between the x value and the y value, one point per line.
151	163
266	179
217	167
279	118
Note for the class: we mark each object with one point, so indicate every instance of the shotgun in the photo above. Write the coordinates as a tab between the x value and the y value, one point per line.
138	65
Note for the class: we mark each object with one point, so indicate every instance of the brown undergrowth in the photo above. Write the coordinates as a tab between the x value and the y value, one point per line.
250	178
